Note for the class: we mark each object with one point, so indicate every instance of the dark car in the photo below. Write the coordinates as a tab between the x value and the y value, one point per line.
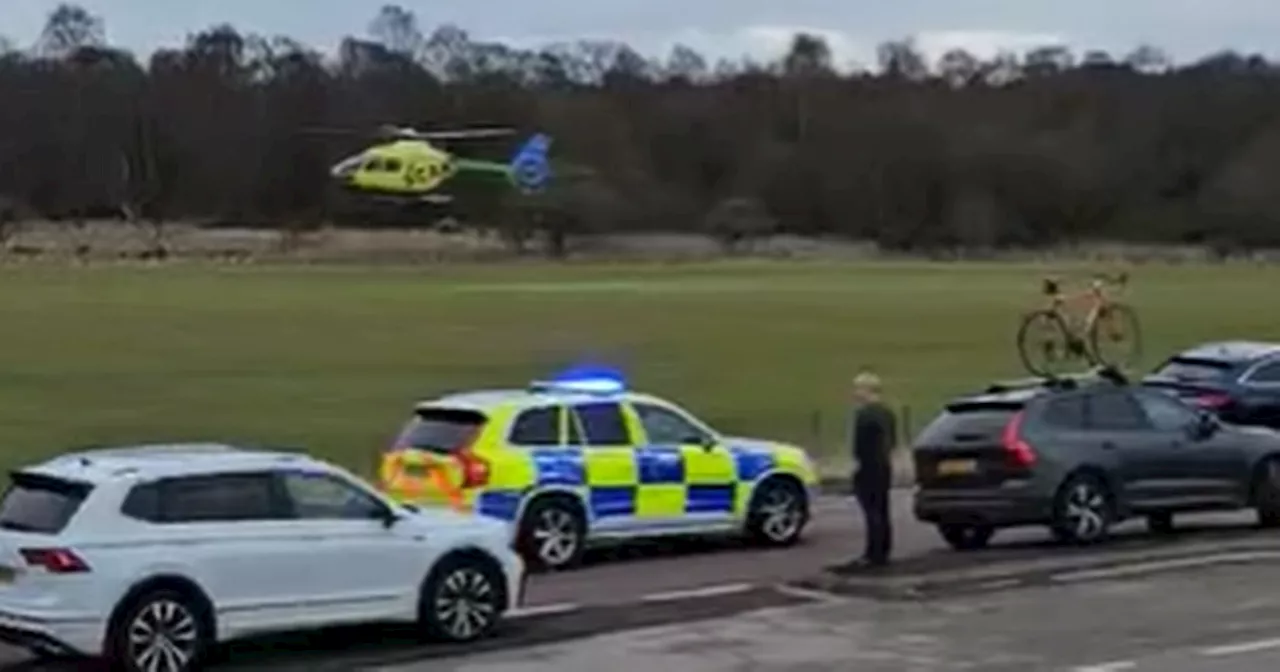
1080	456
1238	380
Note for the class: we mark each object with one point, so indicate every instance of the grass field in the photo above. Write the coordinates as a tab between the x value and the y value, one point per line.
332	358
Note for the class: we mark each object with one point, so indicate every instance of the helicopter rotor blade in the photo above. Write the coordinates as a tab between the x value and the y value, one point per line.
465	134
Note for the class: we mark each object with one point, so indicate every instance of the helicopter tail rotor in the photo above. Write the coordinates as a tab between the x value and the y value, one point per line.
530	168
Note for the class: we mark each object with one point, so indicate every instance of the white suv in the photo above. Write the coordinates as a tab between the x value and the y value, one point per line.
148	555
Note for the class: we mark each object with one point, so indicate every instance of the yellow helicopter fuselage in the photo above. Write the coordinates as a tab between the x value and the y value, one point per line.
401	167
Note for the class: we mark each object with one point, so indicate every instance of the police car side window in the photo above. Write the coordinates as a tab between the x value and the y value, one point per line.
537	427
664	426
603	424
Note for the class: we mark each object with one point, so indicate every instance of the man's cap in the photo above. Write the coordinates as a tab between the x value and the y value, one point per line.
866	380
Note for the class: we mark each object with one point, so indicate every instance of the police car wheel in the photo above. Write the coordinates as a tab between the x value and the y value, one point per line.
551	535
779	512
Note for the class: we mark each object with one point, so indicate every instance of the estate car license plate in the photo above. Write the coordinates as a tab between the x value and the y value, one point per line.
957	467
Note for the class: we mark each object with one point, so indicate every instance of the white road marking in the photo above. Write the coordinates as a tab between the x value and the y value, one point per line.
810	594
1137	568
999	584
1114	666
692	593
1242	647
543	610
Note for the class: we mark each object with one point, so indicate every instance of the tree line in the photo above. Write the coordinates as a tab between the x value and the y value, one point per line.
1022	150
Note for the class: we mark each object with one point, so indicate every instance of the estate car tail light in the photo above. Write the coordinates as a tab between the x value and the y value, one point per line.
55	560
1212	401
1018	450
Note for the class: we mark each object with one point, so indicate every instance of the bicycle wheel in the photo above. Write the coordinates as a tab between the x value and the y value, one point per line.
1115	337
1044	344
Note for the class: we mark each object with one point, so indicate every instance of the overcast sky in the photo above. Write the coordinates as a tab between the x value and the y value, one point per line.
1185	28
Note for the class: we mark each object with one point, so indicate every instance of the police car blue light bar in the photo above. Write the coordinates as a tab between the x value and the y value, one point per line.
584	380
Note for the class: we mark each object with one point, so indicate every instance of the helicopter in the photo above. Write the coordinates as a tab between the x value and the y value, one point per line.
408	164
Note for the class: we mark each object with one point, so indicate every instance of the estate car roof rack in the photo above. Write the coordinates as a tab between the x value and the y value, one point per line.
1108	374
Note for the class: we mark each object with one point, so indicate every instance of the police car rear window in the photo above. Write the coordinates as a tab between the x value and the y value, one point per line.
441	430
41	504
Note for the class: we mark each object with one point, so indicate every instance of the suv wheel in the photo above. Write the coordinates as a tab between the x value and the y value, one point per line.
551	534
778	514
160	632
1082	511
967	537
1266	493
462	599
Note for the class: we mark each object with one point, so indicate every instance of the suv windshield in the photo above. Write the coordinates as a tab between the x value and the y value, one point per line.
42	504
966	421
1185	368
440	430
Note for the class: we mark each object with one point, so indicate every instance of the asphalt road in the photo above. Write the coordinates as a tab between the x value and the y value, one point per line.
1215	619
655	583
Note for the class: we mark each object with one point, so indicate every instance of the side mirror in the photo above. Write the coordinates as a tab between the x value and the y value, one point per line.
389	517
707	442
1206	425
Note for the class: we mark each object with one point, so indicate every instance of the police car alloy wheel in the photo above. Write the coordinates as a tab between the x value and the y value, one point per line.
162	634
557	537
778	514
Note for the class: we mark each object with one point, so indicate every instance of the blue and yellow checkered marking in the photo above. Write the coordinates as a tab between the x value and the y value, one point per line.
660	486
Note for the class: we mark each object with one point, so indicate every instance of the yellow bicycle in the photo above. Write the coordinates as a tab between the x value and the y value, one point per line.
1088	326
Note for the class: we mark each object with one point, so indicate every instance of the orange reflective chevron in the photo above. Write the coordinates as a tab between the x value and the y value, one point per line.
398	477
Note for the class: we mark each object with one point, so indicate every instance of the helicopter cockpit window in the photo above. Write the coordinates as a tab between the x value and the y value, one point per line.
392	165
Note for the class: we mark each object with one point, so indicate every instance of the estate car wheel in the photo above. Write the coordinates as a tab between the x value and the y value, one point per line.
1266	493
160	632
551	535
967	537
1082	511
462	600
778	513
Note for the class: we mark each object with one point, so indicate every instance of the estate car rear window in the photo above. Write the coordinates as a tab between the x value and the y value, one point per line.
964	422
41	504
441	430
1190	368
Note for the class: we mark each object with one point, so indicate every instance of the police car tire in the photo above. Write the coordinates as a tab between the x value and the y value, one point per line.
756	520
527	542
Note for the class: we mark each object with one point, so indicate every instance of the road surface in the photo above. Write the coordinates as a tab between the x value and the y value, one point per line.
658	583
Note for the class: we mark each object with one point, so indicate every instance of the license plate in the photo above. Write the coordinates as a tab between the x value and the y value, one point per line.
957	467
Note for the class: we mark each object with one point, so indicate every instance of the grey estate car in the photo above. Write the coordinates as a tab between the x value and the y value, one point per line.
1080	455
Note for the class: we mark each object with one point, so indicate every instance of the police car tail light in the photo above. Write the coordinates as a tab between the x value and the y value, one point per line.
475	469
1018	451
55	560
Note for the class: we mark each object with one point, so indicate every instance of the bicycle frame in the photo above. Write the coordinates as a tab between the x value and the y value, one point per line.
1079	310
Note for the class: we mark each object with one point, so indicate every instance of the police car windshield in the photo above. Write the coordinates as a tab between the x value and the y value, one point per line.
440	430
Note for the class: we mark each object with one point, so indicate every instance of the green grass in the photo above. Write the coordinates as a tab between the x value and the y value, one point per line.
332	358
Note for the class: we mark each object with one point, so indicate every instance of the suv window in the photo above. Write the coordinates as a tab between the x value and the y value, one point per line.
218	498
1166	413
537	427
965	423
325	496
441	430
1267	373
1115	410
42	504
665	426
603	424
1065	412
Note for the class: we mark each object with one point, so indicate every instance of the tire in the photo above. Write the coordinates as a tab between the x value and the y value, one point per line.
778	513
1044	343
162	623
1104	327
462	599
552	534
1160	523
1266	493
967	537
1082	510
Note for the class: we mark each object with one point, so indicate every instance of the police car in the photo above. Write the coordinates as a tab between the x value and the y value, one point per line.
581	459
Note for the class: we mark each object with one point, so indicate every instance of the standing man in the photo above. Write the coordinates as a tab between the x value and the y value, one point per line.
874	439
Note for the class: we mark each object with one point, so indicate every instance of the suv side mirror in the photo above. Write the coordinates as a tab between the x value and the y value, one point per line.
388	516
1206	425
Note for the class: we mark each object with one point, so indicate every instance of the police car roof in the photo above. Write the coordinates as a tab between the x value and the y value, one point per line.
482	400
96	465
